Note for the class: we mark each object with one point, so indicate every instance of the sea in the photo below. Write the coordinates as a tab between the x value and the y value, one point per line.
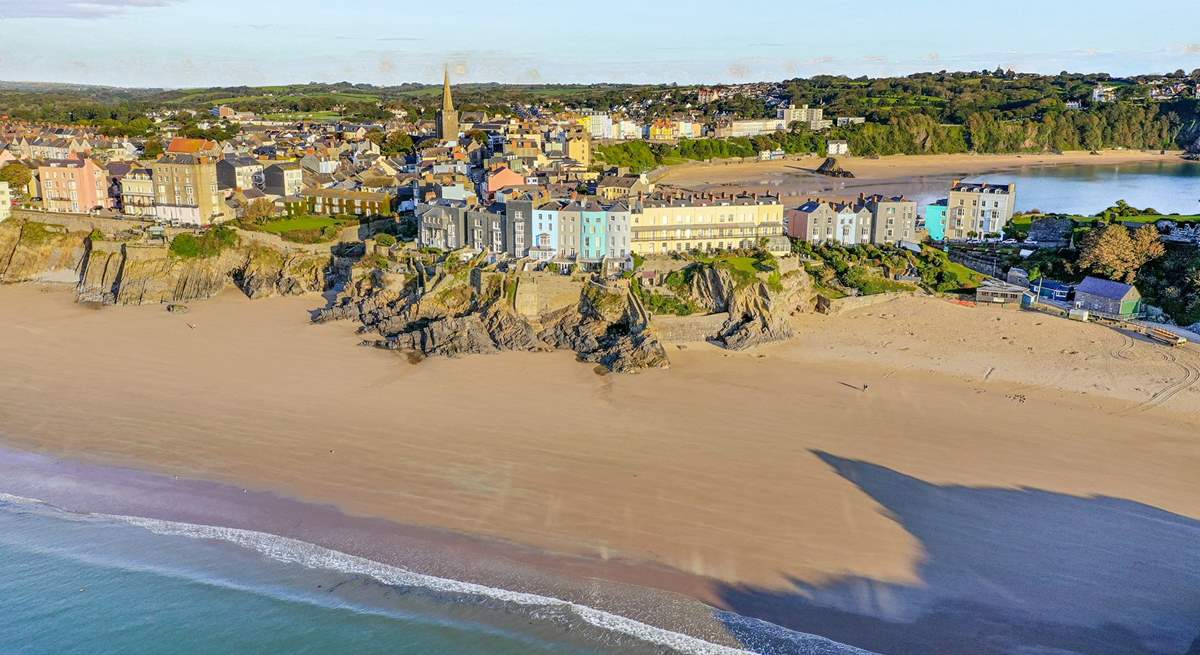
1168	187
98	584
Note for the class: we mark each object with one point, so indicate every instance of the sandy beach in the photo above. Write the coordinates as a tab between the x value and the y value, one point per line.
885	469
911	175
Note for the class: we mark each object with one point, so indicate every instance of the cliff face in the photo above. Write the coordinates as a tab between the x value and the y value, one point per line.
475	312
149	274
759	309
31	252
128	273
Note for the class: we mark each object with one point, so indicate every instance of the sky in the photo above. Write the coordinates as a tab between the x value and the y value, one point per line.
192	43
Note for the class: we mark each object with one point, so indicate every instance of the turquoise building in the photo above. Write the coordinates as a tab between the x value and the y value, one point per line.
935	219
593	233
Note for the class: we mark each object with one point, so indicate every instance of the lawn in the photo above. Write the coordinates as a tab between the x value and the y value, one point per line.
1025	220
307	229
744	269
970	278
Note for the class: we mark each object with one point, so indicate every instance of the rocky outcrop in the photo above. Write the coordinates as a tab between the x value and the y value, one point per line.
473	312
38	252
149	274
753	320
832	168
758	315
100	278
712	289
138	273
491	331
268	272
603	329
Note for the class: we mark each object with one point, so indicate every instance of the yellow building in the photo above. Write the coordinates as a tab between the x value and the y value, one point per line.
185	190
704	222
579	146
663	130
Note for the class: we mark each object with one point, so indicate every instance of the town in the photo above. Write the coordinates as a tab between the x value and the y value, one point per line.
532	190
692	328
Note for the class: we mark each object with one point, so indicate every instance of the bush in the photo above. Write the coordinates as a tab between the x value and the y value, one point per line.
386	240
209	244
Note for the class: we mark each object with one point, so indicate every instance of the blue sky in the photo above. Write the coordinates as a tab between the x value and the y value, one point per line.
178	43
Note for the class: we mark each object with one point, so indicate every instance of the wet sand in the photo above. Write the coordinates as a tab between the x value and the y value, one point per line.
886	465
922	177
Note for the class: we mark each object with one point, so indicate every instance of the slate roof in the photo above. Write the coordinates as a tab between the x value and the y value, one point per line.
1106	289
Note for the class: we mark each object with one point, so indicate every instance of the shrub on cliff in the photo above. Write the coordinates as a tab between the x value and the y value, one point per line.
209	244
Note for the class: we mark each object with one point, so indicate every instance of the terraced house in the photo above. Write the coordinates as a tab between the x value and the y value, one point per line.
185	189
876	219
73	185
977	209
705	222
332	202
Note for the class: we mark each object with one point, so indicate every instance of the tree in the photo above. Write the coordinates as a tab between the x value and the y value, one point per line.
17	175
152	148
260	211
398	143
1112	252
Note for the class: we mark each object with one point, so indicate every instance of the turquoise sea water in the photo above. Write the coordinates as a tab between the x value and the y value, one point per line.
1169	187
99	584
96	586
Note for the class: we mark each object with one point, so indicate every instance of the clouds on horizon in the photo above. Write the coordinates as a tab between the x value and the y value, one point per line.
73	8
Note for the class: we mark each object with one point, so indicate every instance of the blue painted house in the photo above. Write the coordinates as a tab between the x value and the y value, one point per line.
935	219
593	233
1051	289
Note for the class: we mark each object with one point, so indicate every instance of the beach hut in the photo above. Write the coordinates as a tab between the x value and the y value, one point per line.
1108	297
995	292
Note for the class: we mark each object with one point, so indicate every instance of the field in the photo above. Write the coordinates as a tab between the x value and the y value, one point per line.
303	116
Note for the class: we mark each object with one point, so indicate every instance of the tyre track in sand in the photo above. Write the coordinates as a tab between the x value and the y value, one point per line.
1189	376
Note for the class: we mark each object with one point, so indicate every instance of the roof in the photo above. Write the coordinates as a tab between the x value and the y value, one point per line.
980	187
350	195
191	146
179	158
242	161
1110	289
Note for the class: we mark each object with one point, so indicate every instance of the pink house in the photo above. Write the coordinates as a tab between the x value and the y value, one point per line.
502	178
73	185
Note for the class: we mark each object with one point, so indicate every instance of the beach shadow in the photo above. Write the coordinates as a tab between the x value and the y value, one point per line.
1005	571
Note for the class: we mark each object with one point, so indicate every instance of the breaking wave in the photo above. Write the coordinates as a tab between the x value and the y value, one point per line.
775	639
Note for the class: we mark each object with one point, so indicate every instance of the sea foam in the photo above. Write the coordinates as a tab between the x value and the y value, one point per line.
289	550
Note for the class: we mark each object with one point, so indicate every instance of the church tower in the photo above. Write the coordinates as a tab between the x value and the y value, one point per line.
447	117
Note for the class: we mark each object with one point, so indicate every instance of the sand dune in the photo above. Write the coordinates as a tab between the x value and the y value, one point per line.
728	465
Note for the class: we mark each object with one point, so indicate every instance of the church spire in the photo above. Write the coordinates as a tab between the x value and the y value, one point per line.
447	101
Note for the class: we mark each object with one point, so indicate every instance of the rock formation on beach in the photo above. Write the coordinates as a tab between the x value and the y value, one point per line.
831	168
134	272
463	309
449	305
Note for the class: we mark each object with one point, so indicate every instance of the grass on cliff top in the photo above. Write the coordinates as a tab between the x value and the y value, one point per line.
307	229
743	268
209	244
1026	220
34	233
